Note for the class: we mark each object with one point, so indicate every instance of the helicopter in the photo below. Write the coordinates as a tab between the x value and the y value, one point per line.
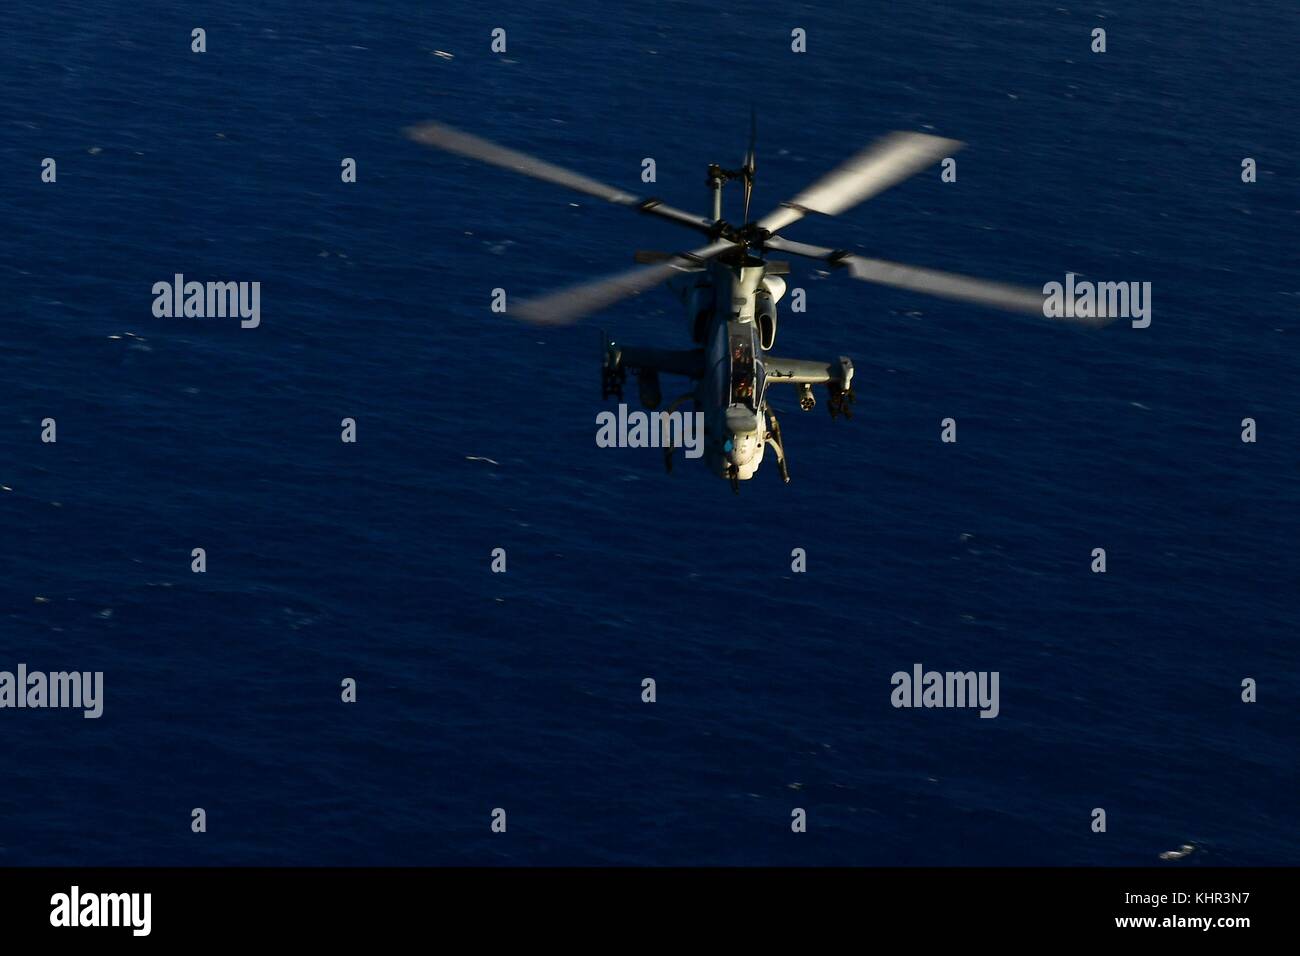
730	290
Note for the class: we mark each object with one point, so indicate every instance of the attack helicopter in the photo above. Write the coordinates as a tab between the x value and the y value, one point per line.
730	290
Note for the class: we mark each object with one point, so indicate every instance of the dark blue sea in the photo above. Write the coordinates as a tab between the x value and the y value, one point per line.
522	690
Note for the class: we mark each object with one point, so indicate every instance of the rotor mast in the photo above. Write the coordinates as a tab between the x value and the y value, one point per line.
719	176
716	179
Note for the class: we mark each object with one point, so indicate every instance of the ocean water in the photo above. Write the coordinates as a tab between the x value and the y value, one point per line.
522	690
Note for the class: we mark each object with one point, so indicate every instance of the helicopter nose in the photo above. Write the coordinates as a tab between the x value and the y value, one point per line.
739	447
740	440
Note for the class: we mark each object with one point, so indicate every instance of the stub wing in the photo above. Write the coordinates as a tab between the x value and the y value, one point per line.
808	371
685	362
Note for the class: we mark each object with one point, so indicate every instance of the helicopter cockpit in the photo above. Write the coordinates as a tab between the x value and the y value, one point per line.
747	373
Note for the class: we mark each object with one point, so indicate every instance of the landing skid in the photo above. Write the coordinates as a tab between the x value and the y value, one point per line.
774	439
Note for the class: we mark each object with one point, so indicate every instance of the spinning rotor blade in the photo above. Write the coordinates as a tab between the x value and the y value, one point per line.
569	305
885	162
463	144
947	285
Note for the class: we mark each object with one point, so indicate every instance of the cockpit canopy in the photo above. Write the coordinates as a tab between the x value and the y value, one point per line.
746	375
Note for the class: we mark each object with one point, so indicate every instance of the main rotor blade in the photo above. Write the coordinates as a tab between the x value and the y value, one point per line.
888	161
569	305
947	285
463	144
750	160
753	138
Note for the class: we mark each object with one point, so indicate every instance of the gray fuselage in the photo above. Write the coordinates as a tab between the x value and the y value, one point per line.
731	392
